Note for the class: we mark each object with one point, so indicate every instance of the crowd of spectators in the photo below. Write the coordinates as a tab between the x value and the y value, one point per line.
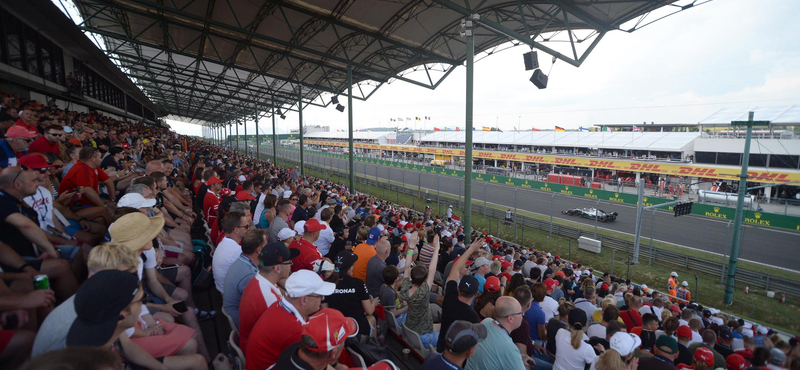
129	221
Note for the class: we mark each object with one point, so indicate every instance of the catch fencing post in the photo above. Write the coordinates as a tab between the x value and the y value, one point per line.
596	210
570	250
652	226
485	185
438	207
613	252
515	213
552	197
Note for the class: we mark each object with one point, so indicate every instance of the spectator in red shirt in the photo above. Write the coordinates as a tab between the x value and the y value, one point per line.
308	251
27	120
631	316
48	142
281	325
262	291
87	175
244	194
211	200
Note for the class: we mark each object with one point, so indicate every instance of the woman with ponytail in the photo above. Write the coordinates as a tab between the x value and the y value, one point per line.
572	352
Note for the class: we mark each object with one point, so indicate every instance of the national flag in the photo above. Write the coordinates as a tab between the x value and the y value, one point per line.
560	129
499	130
418	119
535	129
515	130
486	128
473	129
458	128
408	119
636	129
428	118
581	128
436	129
400	119
607	129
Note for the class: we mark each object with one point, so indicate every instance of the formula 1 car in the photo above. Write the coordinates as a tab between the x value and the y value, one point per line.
592	213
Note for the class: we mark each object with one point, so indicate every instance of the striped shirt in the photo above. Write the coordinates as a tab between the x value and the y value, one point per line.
426	254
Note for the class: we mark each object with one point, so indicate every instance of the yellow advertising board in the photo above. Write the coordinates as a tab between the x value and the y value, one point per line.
675	169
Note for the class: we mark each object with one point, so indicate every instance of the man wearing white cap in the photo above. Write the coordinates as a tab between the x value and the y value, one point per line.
281	325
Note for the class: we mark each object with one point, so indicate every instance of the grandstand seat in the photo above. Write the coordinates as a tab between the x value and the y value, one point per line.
391	320
412	338
233	339
358	361
230	320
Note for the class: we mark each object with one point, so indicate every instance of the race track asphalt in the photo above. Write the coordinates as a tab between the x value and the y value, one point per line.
776	247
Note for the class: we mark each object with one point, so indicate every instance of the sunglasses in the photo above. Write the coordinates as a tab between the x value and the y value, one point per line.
246	227
56	135
24	168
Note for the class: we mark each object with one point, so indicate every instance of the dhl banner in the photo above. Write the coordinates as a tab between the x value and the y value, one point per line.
706	210
675	169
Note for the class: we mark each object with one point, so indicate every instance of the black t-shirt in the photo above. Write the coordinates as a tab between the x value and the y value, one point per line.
106	142
684	355
347	297
109	161
453	310
552	328
289	360
336	224
299	214
593	341
10	205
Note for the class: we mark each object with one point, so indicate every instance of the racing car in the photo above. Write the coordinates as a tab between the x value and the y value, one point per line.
592	213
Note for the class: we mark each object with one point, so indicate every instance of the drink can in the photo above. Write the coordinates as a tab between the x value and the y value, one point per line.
783	298
41	282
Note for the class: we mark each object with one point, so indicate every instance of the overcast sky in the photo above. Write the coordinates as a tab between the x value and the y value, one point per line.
682	69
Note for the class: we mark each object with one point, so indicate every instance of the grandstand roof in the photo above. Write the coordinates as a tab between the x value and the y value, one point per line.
657	141
220	60
357	135
784	115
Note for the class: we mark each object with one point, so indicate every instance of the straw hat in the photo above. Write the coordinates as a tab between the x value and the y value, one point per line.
135	230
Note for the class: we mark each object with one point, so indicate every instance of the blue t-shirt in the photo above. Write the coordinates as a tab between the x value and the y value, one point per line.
481	282
535	317
437	361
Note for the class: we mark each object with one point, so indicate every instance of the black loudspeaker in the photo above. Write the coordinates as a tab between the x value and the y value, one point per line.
531	60
334	100
340	107
539	79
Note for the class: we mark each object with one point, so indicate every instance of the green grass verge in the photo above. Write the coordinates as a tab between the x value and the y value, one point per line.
754	306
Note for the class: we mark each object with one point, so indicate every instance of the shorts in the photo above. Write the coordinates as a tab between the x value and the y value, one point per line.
153	298
73	227
402	318
33	262
170	272
68	252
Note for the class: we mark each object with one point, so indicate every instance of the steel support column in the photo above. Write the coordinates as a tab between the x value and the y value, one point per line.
467	217
258	145
274	139
350	127
300	120
237	135
244	120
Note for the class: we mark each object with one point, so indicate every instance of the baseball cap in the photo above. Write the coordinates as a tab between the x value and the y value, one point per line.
763	330
344	260
748	333
322	266
704	354
276	253
135	200
224	192
468	285
34	160
675	308
67	129
125	144
299	227
77	142
19	131
666	344
625	343
480	262
735	362
242	178
469	261
684	332
328	329
313	225
492	284
373	236
286	233
777	357
287	194
725	334
214	180
98	303
550	283
115	150
306	282
463	335
577	316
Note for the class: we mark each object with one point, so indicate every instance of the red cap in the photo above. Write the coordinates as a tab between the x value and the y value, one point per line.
380	365
77	142
675	307
329	329
560	273
19	131
214	180
495	245
225	192
550	283
313	225
418	225
558	258
409	226
506	265
704	354
377	211
488	240
684	332
492	284
469	261
735	362
125	145
34	160
497	257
